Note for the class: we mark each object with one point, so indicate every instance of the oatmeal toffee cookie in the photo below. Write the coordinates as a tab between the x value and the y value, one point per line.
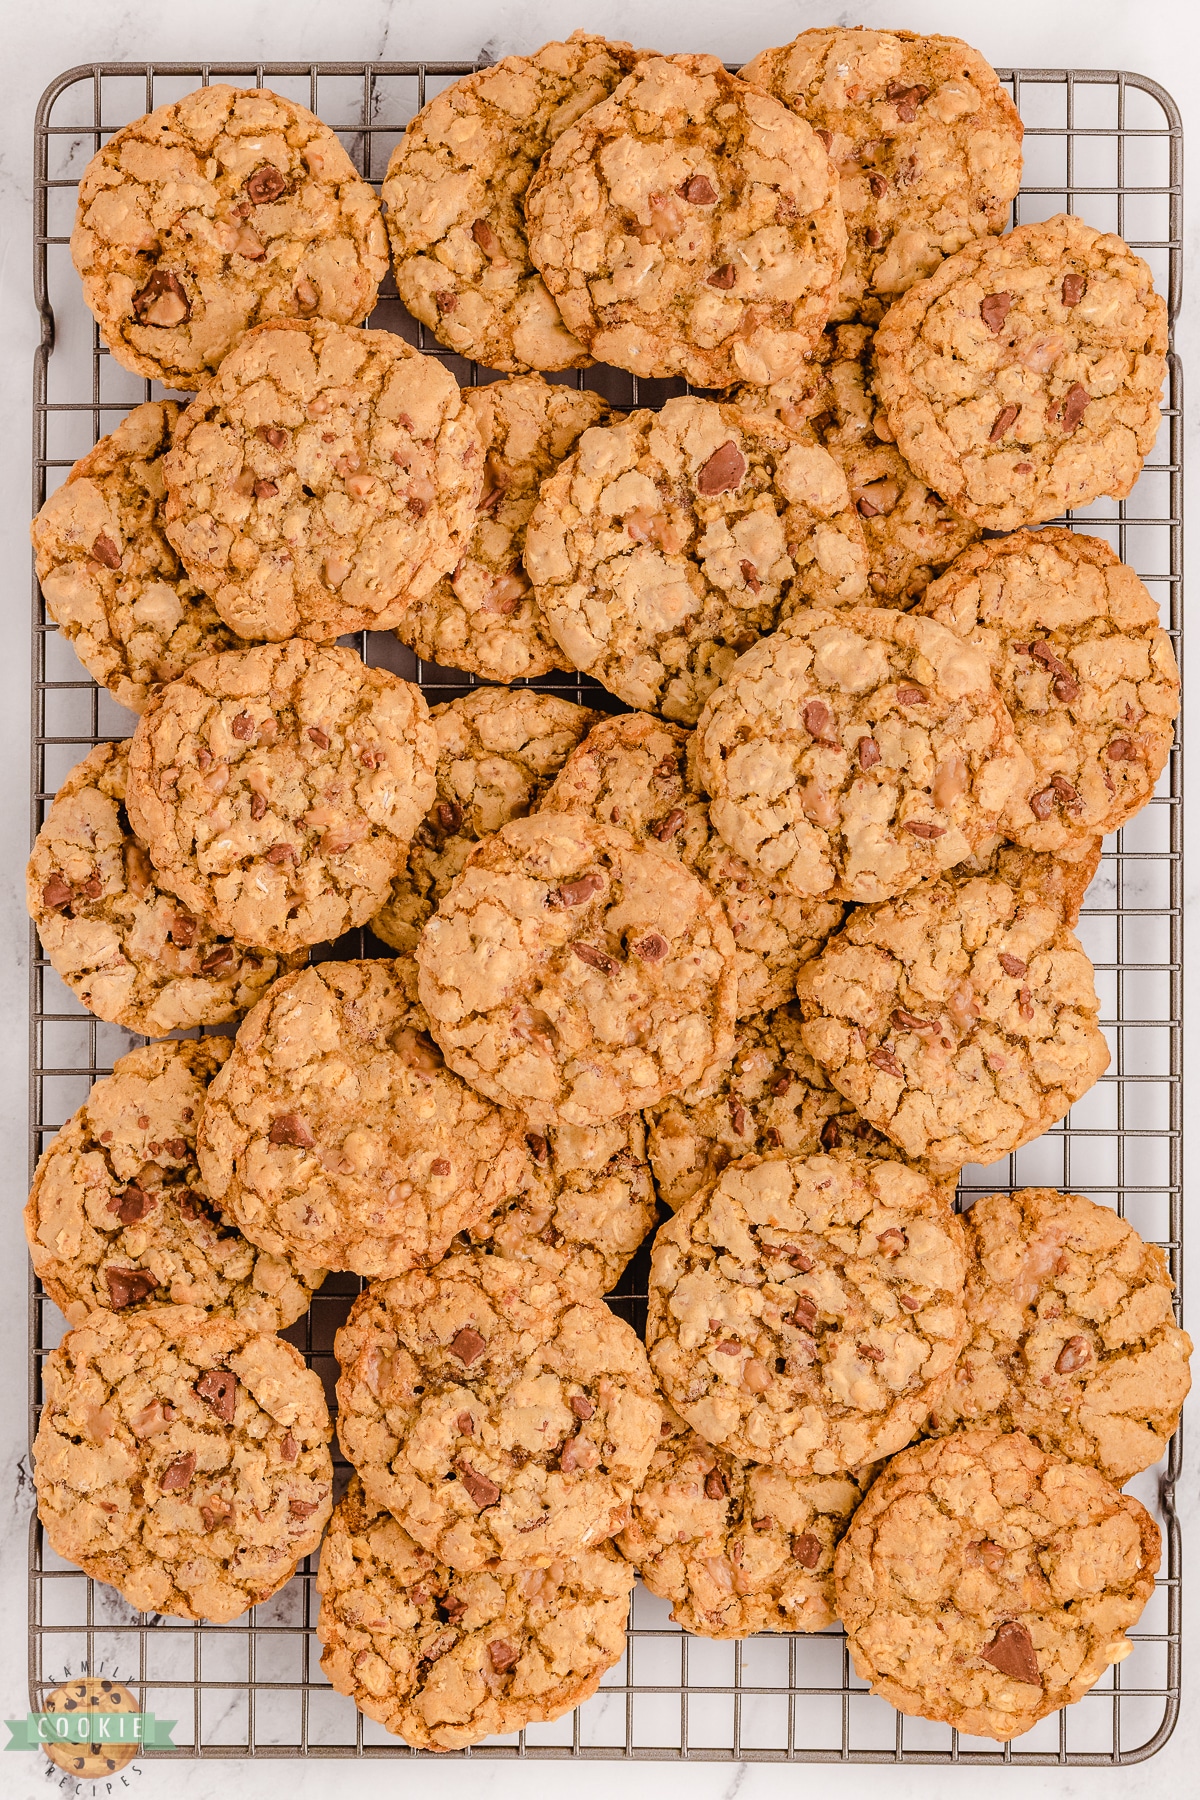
807	1313
1083	665
183	1459
321	480
224	209
926	142
443	1659
335	1133
668	543
128	949
119	1216
960	1019
853	753
1072	1336
577	974
690	225
1024	377
483	616
502	1423
986	1583
277	788
111	581
497	751
631	771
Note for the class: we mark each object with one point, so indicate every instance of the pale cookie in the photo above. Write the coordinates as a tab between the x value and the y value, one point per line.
631	771
321	480
737	1547
576	974
119	1215
1085	668
926	142
807	1312
502	1423
455	198
444	1659
497	751
112	582
1073	1339
669	543
212	214
335	1134
1025	377
483	616
127	948
986	1583
1063	881
690	225
854	753
277	788
961	1019
183	1459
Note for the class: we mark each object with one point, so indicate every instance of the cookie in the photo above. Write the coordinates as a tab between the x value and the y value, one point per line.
276	789
808	1312
986	1583
926	143
496	752
1063	881
503	1423
444	1659
1073	1339
335	1134
960	1019
483	616
737	1547
690	225
669	543
854	753
184	1459
321	480
576	974
214	213
455	191
119	1216
112	582
1083	665
1024	377
128	949
631	771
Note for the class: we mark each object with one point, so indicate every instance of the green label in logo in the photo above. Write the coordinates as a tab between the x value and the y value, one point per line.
38	1730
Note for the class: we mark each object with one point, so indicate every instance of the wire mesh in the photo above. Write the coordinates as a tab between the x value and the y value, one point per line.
1103	143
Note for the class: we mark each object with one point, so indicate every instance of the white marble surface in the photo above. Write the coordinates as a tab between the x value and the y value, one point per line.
1157	37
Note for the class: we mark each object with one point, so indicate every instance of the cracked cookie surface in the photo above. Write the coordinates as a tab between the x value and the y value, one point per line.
986	1583
183	1459
807	1312
212	214
322	479
690	225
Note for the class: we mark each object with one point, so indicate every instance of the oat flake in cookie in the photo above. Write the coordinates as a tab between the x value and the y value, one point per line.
807	1312
503	1423
669	543
277	788
986	1583
183	1459
443	1659
1025	376
576	974
210	215
690	225
321	480
853	753
119	1216
129	950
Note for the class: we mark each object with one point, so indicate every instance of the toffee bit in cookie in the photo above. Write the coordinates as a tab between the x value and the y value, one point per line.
994	310
723	472
1074	287
467	1346
128	1287
178	1475
1011	1651
290	1129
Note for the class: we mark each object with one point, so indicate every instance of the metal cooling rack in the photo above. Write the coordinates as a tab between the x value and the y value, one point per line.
1102	143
